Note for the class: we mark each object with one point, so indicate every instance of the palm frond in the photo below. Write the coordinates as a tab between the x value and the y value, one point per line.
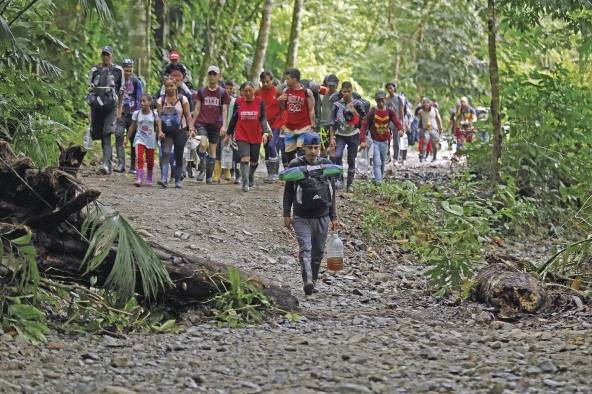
101	7
6	36
573	262
133	256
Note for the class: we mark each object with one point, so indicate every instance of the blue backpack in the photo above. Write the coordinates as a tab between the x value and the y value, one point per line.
170	118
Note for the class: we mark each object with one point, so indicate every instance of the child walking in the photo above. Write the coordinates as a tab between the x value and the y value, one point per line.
147	124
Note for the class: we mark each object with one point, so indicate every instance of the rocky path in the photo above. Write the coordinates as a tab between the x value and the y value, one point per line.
375	327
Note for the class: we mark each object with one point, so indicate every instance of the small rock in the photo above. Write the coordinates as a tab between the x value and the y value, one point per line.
90	356
115	390
348	388
357	292
548	366
533	371
428	354
552	383
495	345
121	362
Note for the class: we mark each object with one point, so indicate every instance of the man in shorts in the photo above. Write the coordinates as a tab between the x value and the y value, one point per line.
211	109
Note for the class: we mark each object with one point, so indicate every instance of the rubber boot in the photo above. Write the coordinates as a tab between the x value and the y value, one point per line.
164	179
190	169
244	170
217	171
211	162
201	167
252	175
149	178
227	175
316	267
350	181
276	170
269	166
307	276
139	177
339	182
237	173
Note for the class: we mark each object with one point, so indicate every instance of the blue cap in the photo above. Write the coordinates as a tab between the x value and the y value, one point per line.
311	138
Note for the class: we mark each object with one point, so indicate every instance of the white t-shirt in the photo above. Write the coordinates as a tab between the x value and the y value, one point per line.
146	126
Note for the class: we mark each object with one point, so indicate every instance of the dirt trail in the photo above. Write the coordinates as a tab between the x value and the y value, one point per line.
373	328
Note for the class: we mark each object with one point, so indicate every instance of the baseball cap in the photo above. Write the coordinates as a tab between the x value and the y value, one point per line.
331	80
311	138
127	62
107	49
174	55
380	94
213	68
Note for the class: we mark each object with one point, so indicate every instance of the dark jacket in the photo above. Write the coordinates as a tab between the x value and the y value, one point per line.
290	190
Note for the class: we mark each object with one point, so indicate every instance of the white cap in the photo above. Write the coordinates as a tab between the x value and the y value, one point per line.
214	69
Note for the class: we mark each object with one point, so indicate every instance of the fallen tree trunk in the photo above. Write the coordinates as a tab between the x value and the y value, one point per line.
506	287
48	204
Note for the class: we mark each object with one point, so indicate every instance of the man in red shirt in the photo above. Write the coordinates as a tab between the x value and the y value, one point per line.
273	113
298	105
377	121
211	110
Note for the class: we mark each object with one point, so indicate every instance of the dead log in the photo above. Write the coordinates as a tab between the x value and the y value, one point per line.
71	158
48	203
509	290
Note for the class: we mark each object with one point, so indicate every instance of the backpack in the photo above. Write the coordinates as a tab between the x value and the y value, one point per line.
102	95
362	106
137	84
314	193
170	118
315	90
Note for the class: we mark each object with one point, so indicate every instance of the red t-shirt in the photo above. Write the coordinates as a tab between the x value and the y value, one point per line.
379	128
211	101
297	115
272	107
248	123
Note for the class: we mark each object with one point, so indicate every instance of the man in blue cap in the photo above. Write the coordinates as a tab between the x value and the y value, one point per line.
309	208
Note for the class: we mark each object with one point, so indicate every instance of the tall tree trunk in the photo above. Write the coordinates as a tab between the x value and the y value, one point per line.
138	39
295	34
262	40
160	35
216	7
495	93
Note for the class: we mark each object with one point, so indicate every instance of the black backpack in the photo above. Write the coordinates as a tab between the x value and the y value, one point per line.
102	95
314	193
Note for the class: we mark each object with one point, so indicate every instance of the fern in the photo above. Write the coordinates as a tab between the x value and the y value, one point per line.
573	261
133	256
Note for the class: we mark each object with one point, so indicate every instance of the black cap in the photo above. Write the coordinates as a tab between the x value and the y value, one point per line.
331	79
107	49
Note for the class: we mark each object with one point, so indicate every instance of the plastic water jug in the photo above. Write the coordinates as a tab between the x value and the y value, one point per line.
363	162
334	253
86	140
226	156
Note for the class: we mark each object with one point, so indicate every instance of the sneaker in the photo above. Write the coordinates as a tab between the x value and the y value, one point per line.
338	184
308	288
132	171
119	169
178	185
201	175
162	184
349	189
246	188
209	181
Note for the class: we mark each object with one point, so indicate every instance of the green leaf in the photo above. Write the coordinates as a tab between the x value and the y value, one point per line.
453	209
23	240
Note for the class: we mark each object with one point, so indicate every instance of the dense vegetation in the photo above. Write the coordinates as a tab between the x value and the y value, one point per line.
431	47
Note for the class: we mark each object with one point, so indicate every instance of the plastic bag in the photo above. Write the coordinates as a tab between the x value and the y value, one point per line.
226	156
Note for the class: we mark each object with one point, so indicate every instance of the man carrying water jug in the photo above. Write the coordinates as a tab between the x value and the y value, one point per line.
309	206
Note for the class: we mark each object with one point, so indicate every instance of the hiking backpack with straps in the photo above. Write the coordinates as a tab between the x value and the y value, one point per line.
314	193
102	95
169	117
